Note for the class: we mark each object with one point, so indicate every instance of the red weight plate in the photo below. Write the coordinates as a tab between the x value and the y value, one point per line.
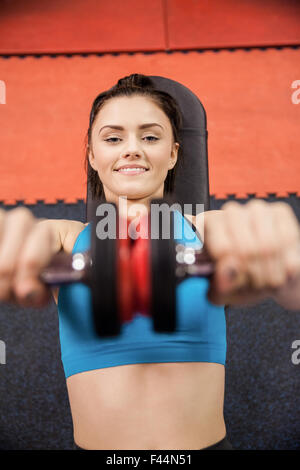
140	264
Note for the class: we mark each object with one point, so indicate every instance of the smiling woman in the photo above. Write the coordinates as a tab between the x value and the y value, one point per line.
139	149
142	390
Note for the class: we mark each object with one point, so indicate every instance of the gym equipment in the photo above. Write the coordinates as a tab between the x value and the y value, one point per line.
127	275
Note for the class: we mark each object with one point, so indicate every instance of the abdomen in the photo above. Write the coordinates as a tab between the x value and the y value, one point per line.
148	406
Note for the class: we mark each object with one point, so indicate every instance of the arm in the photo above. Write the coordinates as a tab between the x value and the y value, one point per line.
65	233
239	220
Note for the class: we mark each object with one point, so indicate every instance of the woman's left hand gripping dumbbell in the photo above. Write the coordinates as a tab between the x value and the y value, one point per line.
26	246
256	248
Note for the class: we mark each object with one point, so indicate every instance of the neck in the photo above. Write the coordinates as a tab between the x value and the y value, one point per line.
132	208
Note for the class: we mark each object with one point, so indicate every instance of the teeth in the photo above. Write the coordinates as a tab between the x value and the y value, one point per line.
132	169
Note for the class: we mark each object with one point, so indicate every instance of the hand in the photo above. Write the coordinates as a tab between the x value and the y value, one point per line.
256	247
26	246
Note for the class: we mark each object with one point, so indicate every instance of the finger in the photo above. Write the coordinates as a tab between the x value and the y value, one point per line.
287	223
257	277
243	239
275	272
229	275
264	227
15	224
292	262
266	272
244	247
220	246
217	239
36	254
288	229
279	227
269	260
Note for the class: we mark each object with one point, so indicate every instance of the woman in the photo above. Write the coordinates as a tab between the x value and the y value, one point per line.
128	392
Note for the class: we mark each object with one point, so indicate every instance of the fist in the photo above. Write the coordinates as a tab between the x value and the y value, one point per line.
26	246
256	248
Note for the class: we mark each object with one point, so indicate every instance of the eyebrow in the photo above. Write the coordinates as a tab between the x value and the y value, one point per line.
142	126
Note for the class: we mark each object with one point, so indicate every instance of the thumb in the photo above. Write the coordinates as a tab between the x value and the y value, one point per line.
230	275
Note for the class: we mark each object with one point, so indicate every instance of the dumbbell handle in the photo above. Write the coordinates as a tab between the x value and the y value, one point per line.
193	262
66	268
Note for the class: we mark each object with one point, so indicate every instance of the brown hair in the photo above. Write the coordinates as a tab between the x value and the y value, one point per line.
135	84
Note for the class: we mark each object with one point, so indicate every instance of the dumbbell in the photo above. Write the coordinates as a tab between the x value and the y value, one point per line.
127	275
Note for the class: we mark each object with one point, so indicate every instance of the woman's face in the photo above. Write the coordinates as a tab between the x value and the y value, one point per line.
135	144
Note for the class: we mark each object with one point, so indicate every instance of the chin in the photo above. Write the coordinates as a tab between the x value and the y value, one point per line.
133	193
135	196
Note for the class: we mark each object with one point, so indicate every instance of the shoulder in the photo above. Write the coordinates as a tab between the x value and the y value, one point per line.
72	230
199	219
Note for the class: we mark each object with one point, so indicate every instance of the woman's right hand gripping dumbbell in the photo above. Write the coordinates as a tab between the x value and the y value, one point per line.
27	245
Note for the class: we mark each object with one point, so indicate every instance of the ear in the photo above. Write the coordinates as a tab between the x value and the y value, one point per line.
92	158
173	156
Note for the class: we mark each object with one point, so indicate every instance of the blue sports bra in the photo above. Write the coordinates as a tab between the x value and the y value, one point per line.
200	334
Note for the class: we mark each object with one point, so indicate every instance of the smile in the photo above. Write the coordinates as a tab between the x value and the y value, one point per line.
132	171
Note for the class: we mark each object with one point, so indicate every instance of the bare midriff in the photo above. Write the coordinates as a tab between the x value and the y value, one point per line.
148	406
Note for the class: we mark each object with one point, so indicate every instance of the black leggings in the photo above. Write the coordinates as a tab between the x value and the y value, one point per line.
224	444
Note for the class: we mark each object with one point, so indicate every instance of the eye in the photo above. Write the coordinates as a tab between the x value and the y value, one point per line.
110	139
151	136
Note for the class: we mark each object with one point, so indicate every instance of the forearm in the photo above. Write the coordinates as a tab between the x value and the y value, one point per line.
58	227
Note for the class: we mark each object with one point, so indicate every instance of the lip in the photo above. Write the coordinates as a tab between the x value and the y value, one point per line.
131	166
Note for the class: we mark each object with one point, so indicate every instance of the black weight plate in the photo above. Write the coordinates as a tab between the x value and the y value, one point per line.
163	280
104	282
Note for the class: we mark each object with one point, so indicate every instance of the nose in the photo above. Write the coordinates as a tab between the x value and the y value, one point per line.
133	153
132	149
